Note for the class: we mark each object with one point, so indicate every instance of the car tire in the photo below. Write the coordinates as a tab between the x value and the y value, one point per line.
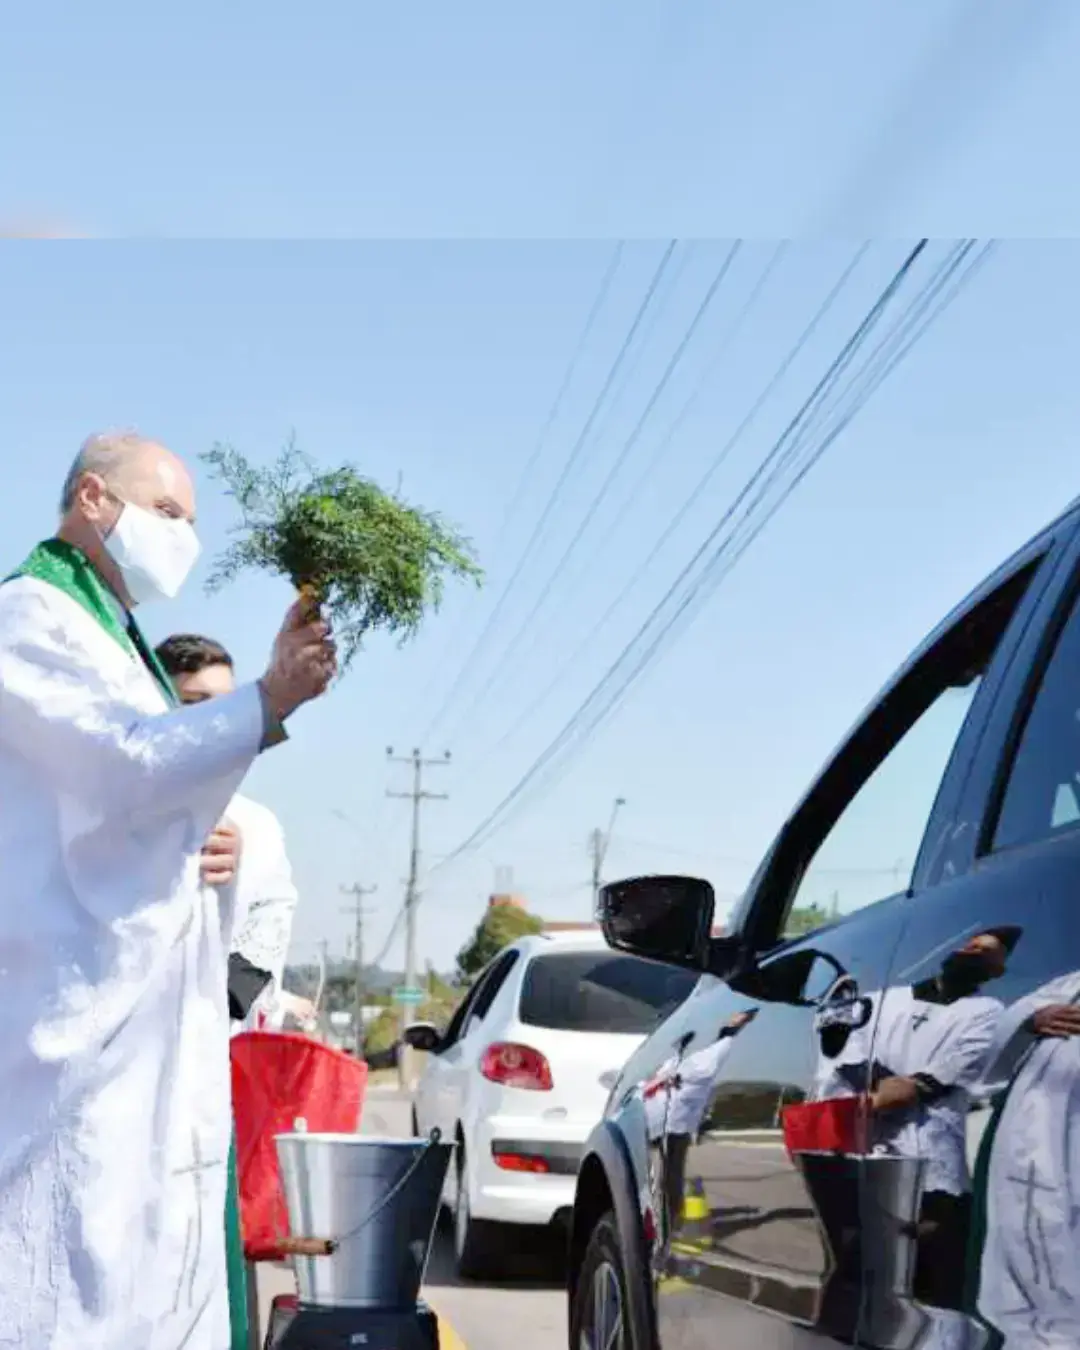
601	1311
476	1245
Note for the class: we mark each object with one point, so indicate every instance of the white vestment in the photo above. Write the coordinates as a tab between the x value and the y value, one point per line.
1030	1276
114	1133
266	898
908	1035
683	1089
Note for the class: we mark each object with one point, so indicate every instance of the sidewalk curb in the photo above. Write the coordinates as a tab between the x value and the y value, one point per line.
448	1337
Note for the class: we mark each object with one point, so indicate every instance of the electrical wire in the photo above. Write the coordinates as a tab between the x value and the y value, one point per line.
565	667
810	406
706	585
505	662
468	664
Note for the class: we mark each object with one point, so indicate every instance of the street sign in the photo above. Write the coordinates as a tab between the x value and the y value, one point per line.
403	994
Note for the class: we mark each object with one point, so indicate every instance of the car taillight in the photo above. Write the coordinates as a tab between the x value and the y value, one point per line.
516	1066
521	1162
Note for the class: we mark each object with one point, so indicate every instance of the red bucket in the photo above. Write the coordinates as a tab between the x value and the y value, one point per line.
838	1125
277	1078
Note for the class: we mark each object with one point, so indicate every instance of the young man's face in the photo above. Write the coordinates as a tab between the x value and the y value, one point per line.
210	682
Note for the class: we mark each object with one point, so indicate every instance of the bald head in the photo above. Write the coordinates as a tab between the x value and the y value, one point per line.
123	461
110	469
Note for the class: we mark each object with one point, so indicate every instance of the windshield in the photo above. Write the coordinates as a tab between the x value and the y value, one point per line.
601	991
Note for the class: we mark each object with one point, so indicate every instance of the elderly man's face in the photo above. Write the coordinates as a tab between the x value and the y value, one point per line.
155	479
199	685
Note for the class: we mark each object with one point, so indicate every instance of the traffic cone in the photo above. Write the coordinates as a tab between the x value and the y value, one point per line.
695	1206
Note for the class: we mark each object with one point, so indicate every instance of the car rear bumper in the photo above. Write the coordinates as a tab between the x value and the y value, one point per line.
525	1171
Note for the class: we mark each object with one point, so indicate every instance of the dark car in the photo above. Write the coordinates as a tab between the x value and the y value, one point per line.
863	1126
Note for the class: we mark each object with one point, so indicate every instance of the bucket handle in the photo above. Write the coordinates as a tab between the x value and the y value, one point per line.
305	1246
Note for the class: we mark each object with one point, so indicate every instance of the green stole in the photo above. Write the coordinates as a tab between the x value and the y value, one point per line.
65	567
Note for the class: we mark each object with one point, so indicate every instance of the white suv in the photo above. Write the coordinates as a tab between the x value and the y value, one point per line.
522	1074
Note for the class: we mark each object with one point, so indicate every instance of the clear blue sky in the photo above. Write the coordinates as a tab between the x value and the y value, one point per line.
438	363
642	117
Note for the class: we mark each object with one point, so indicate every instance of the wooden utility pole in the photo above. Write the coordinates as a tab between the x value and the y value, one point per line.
412	886
357	910
599	843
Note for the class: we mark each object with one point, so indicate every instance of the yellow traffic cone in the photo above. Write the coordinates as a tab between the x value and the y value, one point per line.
695	1206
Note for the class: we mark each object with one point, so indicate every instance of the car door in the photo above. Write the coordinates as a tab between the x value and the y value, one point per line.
431	1090
993	933
459	1060
763	1169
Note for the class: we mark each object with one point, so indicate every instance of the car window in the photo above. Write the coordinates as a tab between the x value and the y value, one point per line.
464	1009
493	984
871	849
1042	793
600	991
863	836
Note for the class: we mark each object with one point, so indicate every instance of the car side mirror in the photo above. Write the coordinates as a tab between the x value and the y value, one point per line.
662	918
423	1036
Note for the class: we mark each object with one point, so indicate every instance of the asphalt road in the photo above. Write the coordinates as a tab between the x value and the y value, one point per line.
528	1310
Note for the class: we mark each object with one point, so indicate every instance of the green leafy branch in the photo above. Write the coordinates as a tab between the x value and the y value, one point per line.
367	557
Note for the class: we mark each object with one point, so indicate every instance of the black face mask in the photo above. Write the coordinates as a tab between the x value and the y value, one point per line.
833	1039
967	970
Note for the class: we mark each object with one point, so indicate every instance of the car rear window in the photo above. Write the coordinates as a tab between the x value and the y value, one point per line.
600	991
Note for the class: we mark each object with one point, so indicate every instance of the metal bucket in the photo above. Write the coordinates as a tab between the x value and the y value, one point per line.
376	1200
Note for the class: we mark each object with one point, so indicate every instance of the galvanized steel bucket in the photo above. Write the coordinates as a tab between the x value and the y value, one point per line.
368	1208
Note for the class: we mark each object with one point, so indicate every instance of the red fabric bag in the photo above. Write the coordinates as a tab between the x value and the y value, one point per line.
277	1078
834	1126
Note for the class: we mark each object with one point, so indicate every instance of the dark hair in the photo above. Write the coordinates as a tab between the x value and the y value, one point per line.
187	654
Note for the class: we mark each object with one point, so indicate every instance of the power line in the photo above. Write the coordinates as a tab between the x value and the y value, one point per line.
710	578
823	386
556	492
691	500
540	444
505	662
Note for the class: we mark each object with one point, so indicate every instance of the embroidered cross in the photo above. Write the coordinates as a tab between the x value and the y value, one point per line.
196	1169
920	1020
1033	1232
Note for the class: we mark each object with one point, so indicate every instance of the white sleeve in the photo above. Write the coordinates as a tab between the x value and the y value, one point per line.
965	1056
60	716
263	936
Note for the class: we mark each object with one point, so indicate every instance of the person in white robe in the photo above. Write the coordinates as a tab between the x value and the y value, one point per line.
677	1099
918	1057
114	1060
201	668
1028	1174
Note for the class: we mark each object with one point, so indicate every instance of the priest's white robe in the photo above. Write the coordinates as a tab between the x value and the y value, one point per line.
266	898
1030	1275
114	1133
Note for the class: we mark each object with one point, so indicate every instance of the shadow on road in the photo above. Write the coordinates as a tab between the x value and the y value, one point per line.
535	1259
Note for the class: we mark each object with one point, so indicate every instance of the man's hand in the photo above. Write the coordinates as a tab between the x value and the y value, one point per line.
221	855
894	1094
1059	1021
740	1020
303	662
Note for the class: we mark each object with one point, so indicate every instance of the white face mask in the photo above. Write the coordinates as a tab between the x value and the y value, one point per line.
154	553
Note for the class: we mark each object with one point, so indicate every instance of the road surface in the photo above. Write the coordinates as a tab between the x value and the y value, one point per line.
531	1305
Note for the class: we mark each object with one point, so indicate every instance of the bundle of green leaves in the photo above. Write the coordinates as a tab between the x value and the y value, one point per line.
367	558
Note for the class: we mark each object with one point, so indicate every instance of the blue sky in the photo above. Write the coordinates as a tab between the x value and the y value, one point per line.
482	118
438	363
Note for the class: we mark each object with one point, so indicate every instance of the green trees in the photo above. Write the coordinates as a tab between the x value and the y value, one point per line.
501	925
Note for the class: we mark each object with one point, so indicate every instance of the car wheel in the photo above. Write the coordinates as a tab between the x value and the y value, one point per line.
600	1316
475	1246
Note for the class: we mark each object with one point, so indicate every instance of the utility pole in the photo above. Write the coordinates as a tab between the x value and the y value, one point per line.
417	795
357	910
599	843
